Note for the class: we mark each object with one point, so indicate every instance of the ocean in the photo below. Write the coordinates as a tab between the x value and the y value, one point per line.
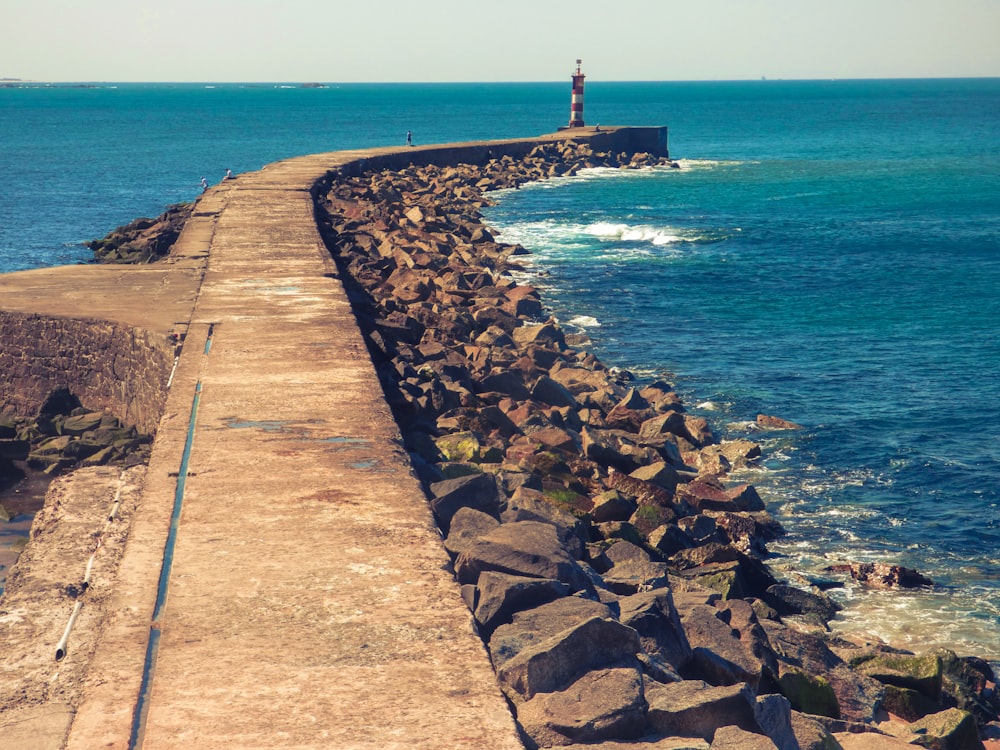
829	253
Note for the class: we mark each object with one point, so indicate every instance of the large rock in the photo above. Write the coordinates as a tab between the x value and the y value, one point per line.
468	525
883	575
654	617
552	664
920	673
734	738
602	704
811	734
531	505
718	655
500	596
694	709
532	626
952	729
478	491
789	600
817	681
524	548
632	569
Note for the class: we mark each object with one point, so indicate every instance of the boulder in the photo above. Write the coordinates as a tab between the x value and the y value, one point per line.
668	540
908	704
660	473
548	391
531	505
774	715
654	617
525	548
817	681
811	734
734	738
883	575
632	569
612	506
466	525
920	673
478	491
776	423
789	600
717	654
951	729
500	596
692	708
603	704
553	663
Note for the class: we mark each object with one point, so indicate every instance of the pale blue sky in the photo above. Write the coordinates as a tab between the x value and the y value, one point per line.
513	40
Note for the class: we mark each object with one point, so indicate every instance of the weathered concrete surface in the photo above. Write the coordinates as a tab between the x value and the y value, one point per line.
310	600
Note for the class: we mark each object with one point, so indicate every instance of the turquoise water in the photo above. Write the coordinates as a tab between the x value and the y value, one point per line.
829	253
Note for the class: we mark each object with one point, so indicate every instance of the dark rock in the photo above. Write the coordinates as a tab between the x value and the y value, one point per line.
883	575
734	738
788	600
501	595
817	681
654	617
601	705
776	423
530	505
951	729
478	491
526	548
920	673
632	569
717	654
552	664
467	525
694	709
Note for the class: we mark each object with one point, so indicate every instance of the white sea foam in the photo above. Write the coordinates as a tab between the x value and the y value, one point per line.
585	321
655	235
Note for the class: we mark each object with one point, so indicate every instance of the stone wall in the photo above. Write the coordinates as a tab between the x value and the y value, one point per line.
107	366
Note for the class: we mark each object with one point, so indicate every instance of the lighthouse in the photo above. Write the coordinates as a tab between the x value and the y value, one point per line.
576	106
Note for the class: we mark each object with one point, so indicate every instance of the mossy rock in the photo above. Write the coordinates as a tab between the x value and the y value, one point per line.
921	673
460	447
725	582
952	729
809	694
455	469
102	457
908	704
649	517
52	447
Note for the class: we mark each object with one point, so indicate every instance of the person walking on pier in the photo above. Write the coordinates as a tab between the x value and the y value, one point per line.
409	138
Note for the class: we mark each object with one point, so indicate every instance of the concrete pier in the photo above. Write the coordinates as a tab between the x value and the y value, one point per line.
283	584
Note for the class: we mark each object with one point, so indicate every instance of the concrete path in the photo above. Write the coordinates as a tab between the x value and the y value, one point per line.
308	602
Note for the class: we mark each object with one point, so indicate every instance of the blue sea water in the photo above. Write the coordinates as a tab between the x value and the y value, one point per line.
829	253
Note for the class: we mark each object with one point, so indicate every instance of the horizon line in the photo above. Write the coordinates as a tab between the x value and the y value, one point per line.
308	82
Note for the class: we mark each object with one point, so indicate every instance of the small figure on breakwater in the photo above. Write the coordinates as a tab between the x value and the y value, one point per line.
409	138
204	184
229	175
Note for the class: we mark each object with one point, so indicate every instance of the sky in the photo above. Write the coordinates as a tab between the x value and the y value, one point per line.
514	40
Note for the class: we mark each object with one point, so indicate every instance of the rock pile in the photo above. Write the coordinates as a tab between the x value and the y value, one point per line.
614	571
64	435
143	240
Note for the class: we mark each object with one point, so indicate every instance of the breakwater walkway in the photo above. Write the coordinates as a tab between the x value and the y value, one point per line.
283	584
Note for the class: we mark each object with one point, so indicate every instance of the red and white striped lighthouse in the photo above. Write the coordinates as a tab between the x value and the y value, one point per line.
576	107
